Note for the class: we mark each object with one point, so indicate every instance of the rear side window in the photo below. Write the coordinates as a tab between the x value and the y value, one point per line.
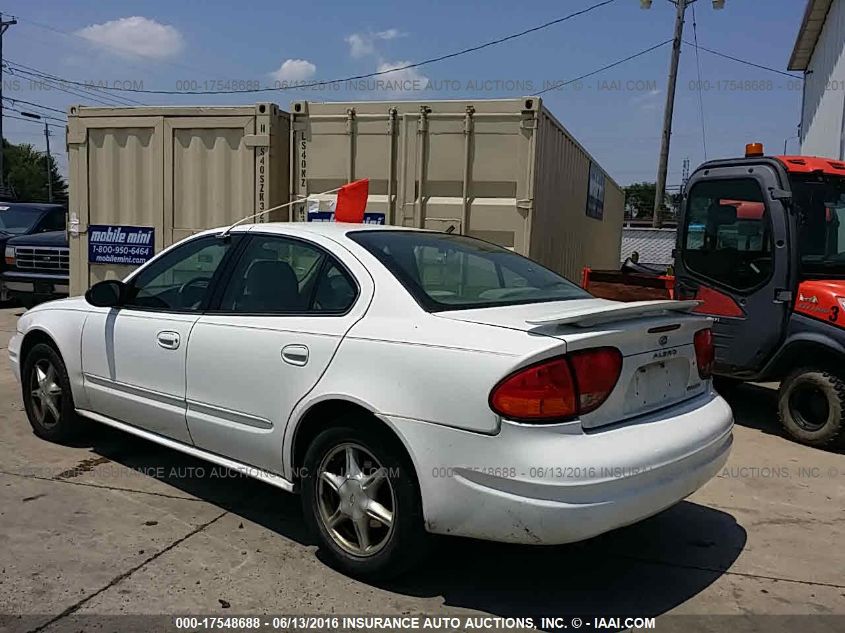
278	275
727	233
452	272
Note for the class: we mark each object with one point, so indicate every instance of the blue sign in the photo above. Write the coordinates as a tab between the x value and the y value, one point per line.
595	193
111	244
328	216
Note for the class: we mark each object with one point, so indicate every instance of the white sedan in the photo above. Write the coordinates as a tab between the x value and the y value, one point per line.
404	382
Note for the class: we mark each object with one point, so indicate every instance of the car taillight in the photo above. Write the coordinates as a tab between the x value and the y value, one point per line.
557	388
705	353
10	256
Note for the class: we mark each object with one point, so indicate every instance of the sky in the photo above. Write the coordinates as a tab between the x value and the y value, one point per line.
617	115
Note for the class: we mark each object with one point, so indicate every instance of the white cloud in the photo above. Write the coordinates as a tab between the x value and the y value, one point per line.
137	36
294	70
360	45
364	44
389	34
648	100
404	80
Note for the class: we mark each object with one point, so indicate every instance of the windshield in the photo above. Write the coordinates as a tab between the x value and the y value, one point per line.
820	202
452	272
16	221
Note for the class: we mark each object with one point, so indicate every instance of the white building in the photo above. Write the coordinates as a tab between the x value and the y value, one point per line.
820	54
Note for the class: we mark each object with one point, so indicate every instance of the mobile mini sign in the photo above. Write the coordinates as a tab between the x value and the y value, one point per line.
111	244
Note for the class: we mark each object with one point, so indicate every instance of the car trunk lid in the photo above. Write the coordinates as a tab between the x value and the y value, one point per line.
655	338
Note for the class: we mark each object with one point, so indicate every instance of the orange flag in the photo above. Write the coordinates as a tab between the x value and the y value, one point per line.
352	201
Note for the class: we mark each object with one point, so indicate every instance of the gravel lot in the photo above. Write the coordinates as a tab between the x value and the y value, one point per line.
120	526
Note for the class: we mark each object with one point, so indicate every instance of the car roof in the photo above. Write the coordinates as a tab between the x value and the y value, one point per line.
331	229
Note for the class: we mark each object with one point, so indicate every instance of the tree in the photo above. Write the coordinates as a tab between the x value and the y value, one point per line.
24	170
639	199
639	202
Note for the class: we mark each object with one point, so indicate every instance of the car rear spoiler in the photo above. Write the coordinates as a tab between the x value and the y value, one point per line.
590	316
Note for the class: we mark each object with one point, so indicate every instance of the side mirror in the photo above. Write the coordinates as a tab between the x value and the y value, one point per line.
106	294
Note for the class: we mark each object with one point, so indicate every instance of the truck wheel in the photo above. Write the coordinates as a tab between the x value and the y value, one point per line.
811	404
360	498
47	398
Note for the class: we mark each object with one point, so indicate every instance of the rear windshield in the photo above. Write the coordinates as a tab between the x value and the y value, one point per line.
453	272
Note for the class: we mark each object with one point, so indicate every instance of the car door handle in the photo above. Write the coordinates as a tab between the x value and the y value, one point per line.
168	340
295	355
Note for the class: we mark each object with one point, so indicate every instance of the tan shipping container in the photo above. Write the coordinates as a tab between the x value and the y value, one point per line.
502	170
177	170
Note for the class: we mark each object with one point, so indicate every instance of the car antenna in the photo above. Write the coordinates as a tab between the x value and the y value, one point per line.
302	198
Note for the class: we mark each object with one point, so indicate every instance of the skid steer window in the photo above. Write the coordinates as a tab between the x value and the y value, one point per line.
727	233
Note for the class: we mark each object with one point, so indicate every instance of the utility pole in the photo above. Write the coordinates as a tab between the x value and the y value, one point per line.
48	155
4	25
48	162
663	164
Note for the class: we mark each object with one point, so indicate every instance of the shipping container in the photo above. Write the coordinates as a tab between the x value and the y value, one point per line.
505	170
142	178
502	170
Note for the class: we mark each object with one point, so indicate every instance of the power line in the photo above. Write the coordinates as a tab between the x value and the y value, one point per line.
43	116
37	105
28	120
425	62
86	87
603	68
57	85
743	61
49	83
700	97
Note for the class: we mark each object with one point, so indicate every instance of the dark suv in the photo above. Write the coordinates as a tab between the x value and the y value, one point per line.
35	265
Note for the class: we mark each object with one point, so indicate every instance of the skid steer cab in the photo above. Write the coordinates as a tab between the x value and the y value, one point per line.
762	244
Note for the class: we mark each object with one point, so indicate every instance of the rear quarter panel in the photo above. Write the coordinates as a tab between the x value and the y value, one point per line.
430	370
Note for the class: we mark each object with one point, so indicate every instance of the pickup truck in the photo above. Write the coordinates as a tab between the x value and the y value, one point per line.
35	249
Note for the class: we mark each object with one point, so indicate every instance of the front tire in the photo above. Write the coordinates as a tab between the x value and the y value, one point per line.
47	397
811	403
360	498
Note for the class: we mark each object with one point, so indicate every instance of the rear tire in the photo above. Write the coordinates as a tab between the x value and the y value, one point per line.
344	511
811	403
47	397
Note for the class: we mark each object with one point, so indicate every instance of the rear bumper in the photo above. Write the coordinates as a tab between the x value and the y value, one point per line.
558	484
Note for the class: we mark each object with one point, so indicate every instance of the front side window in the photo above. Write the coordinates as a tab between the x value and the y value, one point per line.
278	275
179	281
727	233
451	272
55	221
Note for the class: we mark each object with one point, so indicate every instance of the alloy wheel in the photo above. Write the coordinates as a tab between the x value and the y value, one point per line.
46	394
356	500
